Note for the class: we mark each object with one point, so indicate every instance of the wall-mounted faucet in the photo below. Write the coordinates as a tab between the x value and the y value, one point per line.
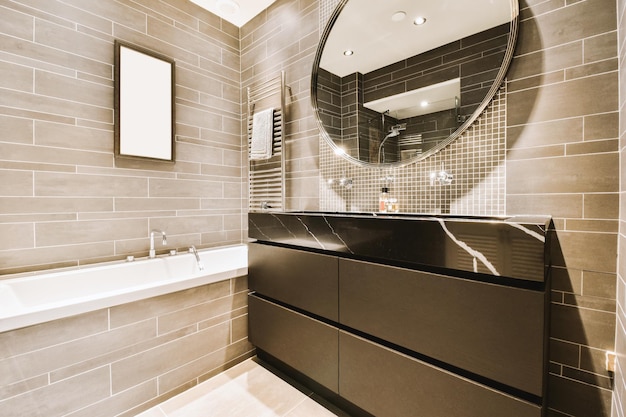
343	182
152	233
442	177
193	250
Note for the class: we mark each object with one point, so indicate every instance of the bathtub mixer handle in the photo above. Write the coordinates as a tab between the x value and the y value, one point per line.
152	233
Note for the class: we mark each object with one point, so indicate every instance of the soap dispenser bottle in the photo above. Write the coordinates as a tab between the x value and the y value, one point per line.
383	200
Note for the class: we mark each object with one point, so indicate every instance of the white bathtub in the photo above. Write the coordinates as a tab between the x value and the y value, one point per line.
36	299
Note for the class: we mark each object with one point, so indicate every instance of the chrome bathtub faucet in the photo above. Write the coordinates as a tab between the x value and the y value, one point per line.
152	233
193	250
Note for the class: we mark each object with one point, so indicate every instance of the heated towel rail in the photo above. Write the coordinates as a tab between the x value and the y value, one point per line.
267	177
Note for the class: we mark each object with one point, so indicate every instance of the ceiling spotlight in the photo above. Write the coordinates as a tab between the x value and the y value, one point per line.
348	52
227	6
419	21
398	16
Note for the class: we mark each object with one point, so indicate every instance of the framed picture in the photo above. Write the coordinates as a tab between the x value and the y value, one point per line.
144	104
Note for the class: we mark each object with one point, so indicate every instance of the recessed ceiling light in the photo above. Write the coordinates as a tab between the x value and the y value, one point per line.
227	6
348	52
419	21
398	16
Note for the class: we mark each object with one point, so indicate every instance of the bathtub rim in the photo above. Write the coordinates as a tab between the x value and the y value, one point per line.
34	315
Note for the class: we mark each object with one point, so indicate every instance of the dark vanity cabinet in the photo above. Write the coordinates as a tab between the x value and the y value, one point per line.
305	282
400	338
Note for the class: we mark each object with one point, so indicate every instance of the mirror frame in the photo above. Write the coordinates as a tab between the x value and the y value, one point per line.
144	106
506	62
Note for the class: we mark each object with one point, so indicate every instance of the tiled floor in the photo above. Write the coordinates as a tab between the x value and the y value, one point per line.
245	390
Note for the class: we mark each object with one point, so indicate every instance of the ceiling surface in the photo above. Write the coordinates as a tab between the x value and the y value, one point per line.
247	10
366	27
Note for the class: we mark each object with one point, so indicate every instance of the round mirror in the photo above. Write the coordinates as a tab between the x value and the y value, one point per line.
395	81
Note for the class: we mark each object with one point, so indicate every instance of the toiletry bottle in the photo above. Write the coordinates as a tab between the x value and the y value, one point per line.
383	200
392	205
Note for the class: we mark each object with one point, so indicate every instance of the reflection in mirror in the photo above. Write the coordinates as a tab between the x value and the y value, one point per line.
387	89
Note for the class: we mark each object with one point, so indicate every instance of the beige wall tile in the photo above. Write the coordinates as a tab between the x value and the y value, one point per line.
608	226
203	365
119	354
563	100
21	235
189	224
70	352
601	206
546	133
142	310
136	370
589	147
25	385
601	47
20	152
53	184
585	251
230	315
54	205
553	59
44	104
601	126
16	24
50	234
598	284
591	69
536	152
145	204
201	312
38	259
121	402
583	326
575	174
67	88
73	137
16	77
567	280
37	337
16	183
61	398
240	328
16	130
186	188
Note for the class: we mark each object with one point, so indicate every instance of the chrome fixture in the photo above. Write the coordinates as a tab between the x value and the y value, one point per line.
393	132
441	177
193	250
152	233
343	182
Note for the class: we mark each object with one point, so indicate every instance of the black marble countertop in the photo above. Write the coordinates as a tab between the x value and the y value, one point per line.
509	247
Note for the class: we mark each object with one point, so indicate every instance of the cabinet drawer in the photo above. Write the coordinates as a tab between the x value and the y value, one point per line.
490	330
305	280
305	344
388	384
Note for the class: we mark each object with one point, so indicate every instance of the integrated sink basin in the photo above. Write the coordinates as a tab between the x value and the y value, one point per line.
514	247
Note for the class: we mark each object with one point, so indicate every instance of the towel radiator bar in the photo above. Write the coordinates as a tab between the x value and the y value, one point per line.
266	178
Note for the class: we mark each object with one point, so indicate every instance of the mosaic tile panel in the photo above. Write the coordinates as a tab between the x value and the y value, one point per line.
476	160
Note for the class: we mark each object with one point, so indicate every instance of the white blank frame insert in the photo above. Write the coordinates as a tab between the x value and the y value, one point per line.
144	104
